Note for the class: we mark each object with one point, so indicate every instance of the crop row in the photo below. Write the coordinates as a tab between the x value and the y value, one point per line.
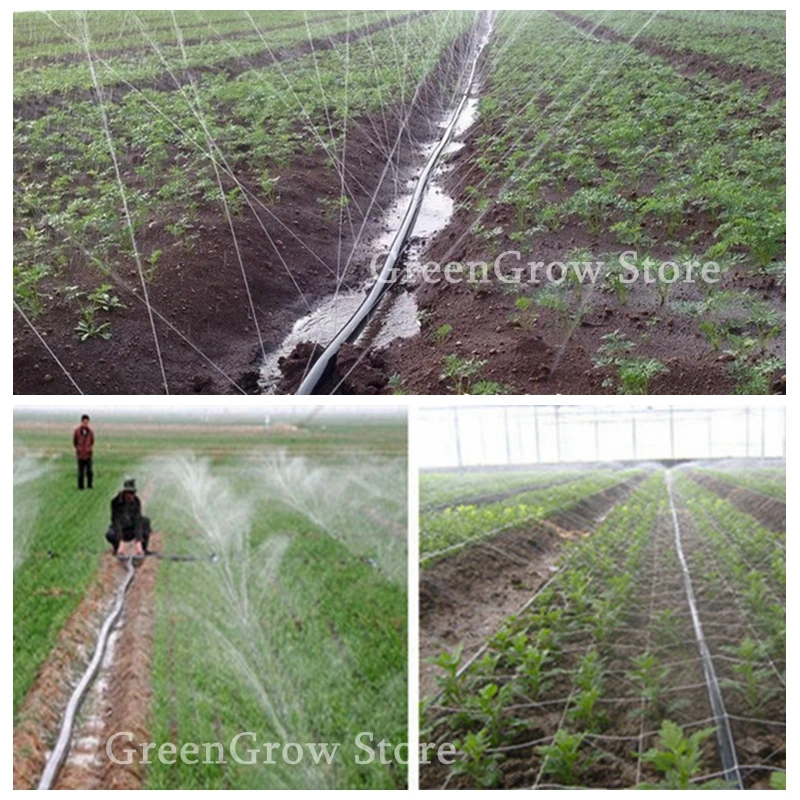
44	37
154	60
734	37
67	196
767	481
460	525
439	489
599	683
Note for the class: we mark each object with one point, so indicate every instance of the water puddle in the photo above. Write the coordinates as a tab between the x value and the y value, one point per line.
396	315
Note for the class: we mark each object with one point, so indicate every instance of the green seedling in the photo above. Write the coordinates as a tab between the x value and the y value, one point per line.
562	757
679	758
461	372
478	763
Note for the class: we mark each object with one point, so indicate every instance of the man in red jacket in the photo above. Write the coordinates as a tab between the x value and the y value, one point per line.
83	442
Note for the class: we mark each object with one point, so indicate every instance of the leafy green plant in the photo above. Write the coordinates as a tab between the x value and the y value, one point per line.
777	780
478	763
461	372
648	677
395	384
635	374
679	759
442	332
562	758
451	684
525	315
103	299
766	321
89	327
754	680
490	387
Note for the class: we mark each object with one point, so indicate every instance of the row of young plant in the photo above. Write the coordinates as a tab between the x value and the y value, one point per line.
739	572
437	489
601	663
753	557
40	38
67	196
766	481
627	154
753	39
460	525
148	59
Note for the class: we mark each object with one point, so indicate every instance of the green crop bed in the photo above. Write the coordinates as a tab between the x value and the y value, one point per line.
462	524
296	631
599	682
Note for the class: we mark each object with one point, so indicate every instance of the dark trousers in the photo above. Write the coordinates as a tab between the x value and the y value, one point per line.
85	470
114	537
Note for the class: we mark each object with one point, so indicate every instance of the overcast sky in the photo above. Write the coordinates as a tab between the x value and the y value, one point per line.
588	433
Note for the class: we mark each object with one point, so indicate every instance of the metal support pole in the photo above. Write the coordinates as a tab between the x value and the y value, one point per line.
763	433
672	433
536	428
558	435
508	438
596	436
458	440
747	432
633	434
710	436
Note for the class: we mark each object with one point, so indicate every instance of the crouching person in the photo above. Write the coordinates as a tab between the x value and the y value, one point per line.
127	522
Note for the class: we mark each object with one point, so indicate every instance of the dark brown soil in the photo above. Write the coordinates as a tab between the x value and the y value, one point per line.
464	598
35	108
687	62
199	298
549	358
769	511
123	702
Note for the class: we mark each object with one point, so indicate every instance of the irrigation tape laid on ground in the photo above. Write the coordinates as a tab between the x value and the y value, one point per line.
56	761
727	749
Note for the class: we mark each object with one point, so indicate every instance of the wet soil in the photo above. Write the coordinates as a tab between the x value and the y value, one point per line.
120	697
465	598
630	724
549	358
687	62
208	339
768	511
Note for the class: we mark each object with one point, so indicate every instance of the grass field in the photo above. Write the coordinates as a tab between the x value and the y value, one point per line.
296	630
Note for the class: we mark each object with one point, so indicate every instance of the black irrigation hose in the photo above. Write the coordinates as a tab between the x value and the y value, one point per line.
727	748
50	554
56	761
59	754
324	365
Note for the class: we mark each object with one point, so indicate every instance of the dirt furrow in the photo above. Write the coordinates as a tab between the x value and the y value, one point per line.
37	107
686	62
465	598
